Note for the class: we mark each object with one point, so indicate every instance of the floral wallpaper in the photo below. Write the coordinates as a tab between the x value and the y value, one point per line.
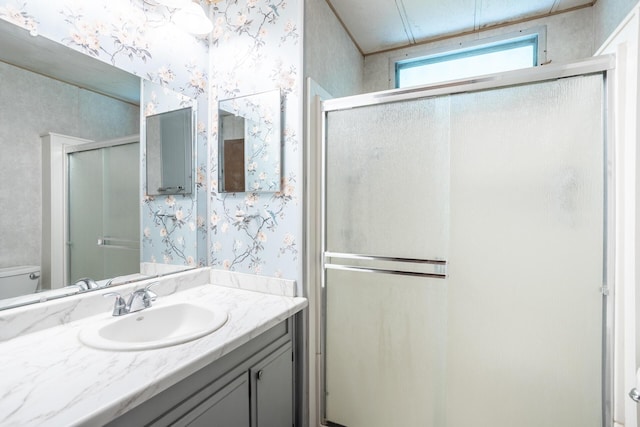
255	46
172	217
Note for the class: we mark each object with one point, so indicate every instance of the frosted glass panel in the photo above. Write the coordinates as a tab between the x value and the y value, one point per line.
388	179
385	350
85	214
507	185
104	205
524	302
121	220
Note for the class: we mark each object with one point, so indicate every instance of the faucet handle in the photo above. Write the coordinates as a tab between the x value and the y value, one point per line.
86	284
109	282
149	292
141	298
120	306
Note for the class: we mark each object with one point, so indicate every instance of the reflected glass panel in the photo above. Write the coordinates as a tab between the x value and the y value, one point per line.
104	212
85	215
121	221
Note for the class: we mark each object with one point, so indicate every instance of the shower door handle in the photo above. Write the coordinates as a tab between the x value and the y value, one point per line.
116	243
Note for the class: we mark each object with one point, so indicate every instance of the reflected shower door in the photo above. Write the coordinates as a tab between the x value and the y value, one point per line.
104	212
464	259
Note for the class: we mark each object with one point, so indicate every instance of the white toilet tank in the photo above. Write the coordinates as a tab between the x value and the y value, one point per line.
20	280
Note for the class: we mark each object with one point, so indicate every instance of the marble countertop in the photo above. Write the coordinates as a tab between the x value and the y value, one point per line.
48	378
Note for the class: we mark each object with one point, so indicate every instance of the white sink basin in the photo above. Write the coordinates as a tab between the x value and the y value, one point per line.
154	327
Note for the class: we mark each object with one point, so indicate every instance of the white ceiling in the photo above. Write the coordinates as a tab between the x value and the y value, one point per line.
374	25
377	25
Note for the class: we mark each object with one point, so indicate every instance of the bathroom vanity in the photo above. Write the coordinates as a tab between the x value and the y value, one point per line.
252	386
240	375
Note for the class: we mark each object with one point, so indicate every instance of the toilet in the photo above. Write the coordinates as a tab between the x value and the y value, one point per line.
20	280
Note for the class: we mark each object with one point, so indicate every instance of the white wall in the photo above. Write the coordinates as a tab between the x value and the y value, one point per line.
624	44
607	14
568	38
330	56
616	30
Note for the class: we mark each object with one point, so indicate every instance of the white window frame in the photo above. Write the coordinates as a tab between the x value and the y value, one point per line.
425	54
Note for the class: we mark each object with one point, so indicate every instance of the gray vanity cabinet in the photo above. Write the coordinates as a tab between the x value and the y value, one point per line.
272	381
253	386
227	407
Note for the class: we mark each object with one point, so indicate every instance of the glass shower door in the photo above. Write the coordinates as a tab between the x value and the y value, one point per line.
386	249
104	212
85	214
121	221
526	261
464	259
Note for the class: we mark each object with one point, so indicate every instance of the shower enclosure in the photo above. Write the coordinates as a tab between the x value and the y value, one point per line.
465	253
104	210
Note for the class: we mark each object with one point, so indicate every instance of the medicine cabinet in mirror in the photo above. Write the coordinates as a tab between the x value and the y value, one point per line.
249	146
169	139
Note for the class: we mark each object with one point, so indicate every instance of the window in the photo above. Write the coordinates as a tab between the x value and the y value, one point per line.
485	58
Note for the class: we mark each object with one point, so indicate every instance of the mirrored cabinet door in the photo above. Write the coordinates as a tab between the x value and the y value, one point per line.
250	143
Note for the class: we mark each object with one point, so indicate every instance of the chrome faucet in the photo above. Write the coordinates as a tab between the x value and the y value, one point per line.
85	284
138	300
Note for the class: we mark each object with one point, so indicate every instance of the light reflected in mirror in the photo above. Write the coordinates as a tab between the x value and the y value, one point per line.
250	143
169	139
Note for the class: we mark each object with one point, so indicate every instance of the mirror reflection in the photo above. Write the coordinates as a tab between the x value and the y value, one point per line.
69	171
169	139
250	143
103	209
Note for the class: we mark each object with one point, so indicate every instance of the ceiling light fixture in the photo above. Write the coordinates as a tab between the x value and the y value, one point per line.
192	19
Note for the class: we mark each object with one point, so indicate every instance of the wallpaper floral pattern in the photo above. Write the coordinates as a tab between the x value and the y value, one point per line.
255	46
172	217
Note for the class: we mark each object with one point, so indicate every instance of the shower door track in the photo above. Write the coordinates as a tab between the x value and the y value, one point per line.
595	65
599	64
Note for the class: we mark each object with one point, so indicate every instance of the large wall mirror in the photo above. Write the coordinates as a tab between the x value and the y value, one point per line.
54	98
249	147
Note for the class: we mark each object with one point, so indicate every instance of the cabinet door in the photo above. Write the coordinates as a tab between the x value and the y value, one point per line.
272	380
227	407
